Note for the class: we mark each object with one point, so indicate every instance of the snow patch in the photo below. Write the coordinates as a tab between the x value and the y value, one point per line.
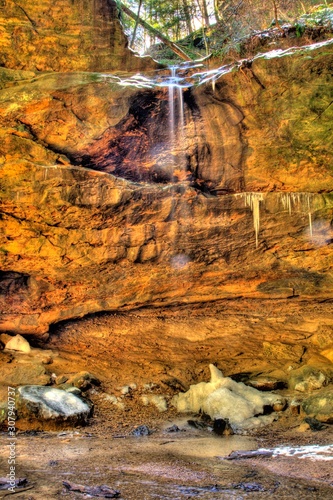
314	452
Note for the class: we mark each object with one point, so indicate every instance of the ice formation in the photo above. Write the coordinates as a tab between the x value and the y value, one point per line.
253	200
314	452
222	397
155	399
302	202
52	402
298	202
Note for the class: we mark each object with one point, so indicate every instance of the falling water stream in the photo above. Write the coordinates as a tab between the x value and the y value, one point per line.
176	111
188	75
189	467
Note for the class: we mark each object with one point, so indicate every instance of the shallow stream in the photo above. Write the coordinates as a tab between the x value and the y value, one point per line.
166	466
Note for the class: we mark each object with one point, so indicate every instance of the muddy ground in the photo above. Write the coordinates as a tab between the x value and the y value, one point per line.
170	351
183	465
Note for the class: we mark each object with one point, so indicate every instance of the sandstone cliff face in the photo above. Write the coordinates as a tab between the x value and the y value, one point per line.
101	212
64	35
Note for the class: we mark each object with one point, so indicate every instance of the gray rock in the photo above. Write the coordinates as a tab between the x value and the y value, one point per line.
173	428
314	424
142	430
46	404
307	378
320	405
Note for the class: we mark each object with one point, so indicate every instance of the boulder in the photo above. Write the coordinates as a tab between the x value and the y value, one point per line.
307	378
320	405
18	343
15	374
47	407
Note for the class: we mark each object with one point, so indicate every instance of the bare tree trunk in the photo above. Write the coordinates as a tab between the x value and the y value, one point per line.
204	11
216	11
177	50
276	16
136	25
187	17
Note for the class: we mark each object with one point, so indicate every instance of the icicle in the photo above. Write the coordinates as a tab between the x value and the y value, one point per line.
310	215
286	202
253	200
45	173
300	202
310	224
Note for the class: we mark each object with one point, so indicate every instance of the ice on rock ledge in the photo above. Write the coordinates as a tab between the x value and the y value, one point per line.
222	397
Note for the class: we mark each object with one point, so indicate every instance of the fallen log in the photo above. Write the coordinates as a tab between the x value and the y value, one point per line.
177	50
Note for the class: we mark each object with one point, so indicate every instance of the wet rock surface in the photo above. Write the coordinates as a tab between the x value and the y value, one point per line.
190	460
189	465
135	234
320	405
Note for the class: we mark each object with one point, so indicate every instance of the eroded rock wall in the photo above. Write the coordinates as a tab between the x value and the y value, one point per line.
147	231
64	35
80	241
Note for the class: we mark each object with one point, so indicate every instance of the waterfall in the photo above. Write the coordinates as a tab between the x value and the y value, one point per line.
171	91
176	109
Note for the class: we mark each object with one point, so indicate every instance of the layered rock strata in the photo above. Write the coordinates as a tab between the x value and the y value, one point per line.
65	35
100	212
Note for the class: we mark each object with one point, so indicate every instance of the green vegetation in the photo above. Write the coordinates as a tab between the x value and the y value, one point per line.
202	27
320	16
